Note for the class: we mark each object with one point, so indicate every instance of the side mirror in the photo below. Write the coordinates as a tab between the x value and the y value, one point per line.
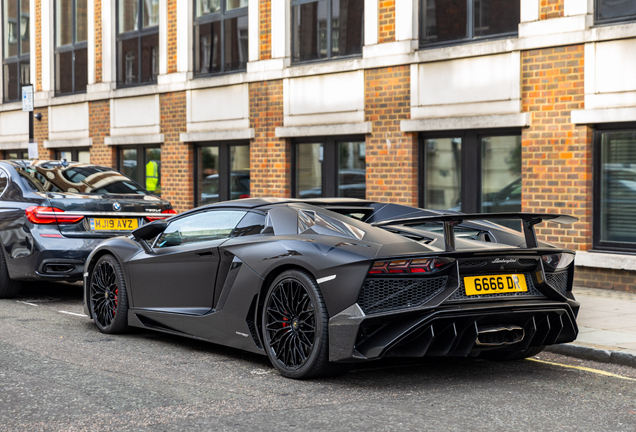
150	231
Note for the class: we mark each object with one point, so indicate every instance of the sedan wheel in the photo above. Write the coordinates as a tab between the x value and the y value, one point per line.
295	327
8	288
108	299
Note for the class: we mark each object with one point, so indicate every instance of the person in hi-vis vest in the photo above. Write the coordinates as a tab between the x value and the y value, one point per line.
152	177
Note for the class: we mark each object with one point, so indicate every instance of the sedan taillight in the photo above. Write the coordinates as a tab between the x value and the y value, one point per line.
419	265
50	215
164	215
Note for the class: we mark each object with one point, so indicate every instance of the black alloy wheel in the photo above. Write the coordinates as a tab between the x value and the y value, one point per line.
295	327
108	299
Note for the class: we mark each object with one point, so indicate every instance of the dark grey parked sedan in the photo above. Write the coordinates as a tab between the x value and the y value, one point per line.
54	213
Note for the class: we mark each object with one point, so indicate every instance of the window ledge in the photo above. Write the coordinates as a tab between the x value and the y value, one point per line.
323	130
65	99
134	139
11	106
471	122
220	135
66	143
606	261
605	115
14	145
137	90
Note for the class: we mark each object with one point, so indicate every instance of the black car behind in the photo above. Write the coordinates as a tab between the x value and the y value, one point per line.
53	214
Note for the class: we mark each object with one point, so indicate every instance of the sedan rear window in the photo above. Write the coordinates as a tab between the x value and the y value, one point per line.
78	178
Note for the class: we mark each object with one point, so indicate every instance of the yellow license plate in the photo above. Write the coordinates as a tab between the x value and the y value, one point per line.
480	285
113	224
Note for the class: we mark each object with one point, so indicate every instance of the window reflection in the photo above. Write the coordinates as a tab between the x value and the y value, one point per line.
16	154
443	171
446	20
137	49
239	172
314	36
618	186
71	52
209	177
16	47
309	159
614	10
352	170
207	6
79	178
129	162
221	41
223	181
501	174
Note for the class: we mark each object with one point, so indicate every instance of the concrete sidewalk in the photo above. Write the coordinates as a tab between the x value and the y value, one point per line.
607	325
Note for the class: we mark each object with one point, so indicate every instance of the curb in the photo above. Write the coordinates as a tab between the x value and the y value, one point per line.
599	355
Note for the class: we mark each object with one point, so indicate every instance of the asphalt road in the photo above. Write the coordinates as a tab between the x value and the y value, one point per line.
57	372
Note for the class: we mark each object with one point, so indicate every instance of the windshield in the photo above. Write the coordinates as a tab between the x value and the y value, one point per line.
78	178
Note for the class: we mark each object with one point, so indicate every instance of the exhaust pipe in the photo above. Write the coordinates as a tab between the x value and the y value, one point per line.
61	268
491	336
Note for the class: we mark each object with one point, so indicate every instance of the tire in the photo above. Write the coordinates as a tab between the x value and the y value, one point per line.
295	327
108	300
511	355
8	288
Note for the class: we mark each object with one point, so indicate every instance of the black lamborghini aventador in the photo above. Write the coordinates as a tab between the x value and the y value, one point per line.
318	284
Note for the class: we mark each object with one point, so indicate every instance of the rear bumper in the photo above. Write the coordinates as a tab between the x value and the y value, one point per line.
53	259
447	330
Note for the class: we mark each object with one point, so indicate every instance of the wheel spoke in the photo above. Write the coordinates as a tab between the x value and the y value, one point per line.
104	280
290	305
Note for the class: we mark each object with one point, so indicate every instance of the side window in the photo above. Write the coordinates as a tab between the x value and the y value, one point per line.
251	224
199	227
3	181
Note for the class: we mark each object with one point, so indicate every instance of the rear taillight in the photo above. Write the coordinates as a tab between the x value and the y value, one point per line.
164	215
50	215
419	265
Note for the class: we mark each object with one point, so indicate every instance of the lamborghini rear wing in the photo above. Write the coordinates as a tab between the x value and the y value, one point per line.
529	220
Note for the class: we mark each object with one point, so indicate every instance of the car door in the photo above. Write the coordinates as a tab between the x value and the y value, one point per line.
179	275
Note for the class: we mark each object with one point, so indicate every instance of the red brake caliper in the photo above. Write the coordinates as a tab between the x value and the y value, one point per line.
285	319
115	308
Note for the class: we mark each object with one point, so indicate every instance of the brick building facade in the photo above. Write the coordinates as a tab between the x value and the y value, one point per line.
471	105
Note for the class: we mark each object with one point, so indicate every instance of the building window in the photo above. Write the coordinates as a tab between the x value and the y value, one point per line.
71	48
16	154
608	11
222	172
80	154
142	163
326	29
471	171
16	48
330	167
220	35
452	21
615	189
137	42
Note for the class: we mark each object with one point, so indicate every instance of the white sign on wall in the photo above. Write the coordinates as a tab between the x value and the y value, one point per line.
33	150
27	98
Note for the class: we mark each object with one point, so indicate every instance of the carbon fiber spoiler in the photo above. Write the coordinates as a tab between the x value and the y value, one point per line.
529	220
